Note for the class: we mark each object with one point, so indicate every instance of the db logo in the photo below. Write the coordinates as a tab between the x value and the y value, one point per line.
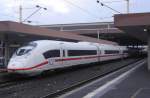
51	61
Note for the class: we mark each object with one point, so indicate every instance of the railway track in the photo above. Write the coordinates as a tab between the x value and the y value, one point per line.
2	70
7	79
63	91
23	84
12	82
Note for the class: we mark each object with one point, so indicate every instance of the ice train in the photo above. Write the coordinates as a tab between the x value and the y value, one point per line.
39	56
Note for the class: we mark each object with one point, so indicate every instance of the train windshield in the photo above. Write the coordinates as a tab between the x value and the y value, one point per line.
25	49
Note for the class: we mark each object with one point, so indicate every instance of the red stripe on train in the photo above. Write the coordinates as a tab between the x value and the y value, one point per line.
29	68
57	60
79	58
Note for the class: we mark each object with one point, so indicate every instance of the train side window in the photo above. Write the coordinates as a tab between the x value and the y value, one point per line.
125	51
111	52
81	52
51	53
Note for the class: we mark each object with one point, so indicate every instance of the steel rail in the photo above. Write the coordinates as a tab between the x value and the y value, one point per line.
64	90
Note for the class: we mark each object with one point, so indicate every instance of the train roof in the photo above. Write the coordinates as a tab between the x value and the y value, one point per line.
58	42
83	45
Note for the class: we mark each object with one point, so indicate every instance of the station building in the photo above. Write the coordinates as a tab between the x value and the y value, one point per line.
99	30
13	34
137	25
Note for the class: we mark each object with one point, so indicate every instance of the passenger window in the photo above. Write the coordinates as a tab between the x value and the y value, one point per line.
111	52
51	54
81	52
125	51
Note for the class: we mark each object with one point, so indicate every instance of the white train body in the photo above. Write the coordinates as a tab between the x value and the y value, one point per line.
42	55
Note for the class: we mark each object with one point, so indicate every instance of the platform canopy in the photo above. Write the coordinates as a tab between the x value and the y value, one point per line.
20	31
135	24
101	30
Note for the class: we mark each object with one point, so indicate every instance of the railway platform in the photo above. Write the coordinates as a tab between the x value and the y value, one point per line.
136	85
132	83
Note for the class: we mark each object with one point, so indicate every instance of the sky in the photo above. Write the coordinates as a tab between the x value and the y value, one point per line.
67	11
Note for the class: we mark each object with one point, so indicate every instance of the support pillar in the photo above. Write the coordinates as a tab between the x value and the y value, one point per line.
2	50
98	34
6	53
6	50
149	52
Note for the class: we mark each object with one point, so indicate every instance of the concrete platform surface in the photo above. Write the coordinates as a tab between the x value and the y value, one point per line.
136	85
109	86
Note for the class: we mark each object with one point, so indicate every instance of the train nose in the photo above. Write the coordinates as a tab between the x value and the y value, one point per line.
15	65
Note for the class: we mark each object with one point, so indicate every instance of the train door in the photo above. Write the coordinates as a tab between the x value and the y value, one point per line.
98	53
62	54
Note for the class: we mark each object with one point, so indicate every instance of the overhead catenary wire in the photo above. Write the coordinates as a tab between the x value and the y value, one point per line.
117	1
85	11
102	4
39	8
77	6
